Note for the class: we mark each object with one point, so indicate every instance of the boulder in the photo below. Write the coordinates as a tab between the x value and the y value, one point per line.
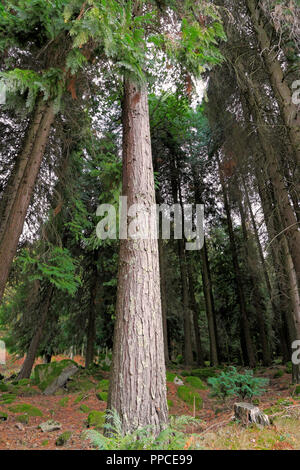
178	381
50	377
50	425
247	413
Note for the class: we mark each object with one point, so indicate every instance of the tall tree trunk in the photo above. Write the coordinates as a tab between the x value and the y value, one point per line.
209	306
257	298
163	291
18	209
187	327
280	86
91	327
250	359
138	377
15	178
195	308
45	301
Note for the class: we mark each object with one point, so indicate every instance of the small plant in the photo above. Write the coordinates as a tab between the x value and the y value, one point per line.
232	383
142	439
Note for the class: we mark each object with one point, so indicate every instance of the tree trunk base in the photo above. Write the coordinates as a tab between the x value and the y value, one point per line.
248	414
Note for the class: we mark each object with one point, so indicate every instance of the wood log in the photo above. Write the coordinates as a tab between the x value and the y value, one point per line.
247	414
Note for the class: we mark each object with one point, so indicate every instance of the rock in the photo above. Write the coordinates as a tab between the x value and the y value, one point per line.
177	381
248	413
51	377
63	438
49	425
19	426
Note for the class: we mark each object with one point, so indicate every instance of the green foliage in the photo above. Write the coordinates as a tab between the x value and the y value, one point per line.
232	383
56	266
289	367
143	439
63	401
63	438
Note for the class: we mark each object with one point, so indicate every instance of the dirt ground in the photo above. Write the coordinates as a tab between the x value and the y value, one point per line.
216	430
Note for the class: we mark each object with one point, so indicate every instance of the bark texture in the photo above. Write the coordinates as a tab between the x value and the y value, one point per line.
138	377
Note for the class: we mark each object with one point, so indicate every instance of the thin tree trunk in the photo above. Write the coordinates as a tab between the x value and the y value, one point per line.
45	301
91	328
163	298
195	308
138	377
18	210
257	299
209	304
250	359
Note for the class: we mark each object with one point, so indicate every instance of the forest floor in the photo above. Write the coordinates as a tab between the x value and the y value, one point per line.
215	428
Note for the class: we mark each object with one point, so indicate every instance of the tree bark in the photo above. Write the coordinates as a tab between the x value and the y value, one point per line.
18	209
209	304
281	88
250	359
45	301
138	377
199	350
163	292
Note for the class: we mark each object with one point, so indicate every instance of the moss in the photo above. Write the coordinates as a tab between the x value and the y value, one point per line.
45	442
3	416
84	408
7	398
102	396
3	387
24	419
45	374
103	385
195	382
63	438
22	382
188	395
63	401
170	404
279	373
170	377
79	398
79	385
30	410
96	419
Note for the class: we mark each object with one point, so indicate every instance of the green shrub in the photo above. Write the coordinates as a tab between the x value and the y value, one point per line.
188	395
232	383
297	391
195	382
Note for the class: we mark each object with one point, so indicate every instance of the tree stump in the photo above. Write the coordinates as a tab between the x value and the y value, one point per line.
248	414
